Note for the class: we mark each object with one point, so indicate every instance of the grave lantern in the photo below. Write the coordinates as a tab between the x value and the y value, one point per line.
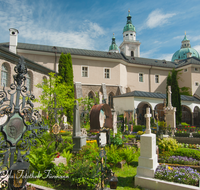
18	173
113	182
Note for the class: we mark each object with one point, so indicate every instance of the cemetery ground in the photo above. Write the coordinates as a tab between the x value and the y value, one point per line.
81	168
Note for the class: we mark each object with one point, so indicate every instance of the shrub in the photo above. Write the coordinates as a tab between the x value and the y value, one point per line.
137	128
185	124
117	140
196	135
190	153
128	154
168	144
182	134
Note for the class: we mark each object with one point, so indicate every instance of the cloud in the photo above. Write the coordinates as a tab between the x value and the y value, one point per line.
197	47
178	37
157	18
34	26
148	54
167	56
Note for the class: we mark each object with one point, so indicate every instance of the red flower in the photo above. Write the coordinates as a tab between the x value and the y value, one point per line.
58	155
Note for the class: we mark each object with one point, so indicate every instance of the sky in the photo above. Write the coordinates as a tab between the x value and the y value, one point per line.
89	24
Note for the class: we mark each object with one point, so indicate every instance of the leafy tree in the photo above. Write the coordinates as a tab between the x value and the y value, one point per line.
86	104
50	87
172	80
65	70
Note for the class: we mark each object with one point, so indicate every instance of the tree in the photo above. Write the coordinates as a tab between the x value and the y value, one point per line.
50	87
172	80
65	71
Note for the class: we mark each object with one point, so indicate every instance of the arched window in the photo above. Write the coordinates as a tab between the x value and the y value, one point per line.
110	99
28	82
132	54
91	95
4	75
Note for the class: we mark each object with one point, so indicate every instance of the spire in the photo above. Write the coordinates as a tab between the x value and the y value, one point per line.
185	42
113	47
129	18
185	38
129	26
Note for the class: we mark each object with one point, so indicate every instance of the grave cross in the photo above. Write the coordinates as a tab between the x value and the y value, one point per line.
148	116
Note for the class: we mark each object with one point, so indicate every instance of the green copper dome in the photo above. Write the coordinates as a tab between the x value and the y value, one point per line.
113	46
185	48
129	26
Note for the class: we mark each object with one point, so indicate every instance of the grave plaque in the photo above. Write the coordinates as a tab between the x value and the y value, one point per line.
56	129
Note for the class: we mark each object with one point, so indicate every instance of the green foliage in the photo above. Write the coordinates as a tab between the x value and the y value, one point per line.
137	128
184	134
113	155
185	124
162	125
90	152
117	140
83	173
40	159
50	88
190	153
65	71
185	91
128	154
167	144
87	104
67	155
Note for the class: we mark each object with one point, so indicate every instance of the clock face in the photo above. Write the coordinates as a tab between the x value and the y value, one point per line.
101	118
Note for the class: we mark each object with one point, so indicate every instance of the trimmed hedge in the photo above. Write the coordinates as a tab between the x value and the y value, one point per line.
187	152
182	134
196	135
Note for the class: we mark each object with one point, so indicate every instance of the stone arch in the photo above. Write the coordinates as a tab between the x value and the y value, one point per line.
91	95
141	111
128	89
110	99
196	116
5	74
186	114
159	110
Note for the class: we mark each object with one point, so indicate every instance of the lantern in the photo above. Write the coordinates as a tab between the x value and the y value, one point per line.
113	182
18	173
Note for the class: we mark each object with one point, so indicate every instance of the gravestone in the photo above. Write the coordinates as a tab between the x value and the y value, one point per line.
135	118
103	85
114	122
78	90
170	113
148	160
60	160
79	139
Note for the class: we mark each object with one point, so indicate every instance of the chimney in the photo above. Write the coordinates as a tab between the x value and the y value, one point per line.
13	40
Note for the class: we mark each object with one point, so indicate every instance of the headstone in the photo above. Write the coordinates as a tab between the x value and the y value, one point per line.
170	113
79	140
148	125
78	90
103	85
148	160
65	121
135	118
60	160
100	98
114	122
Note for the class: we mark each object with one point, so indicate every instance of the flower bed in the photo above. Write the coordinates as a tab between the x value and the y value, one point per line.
181	160
184	175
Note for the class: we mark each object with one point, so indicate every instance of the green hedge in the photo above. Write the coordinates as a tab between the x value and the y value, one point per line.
182	134
187	152
137	128
197	135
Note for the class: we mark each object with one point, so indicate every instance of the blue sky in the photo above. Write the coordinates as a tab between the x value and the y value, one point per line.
90	24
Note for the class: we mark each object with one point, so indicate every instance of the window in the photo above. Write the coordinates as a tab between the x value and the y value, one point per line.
196	84
4	75
185	70
141	77
107	73
84	71
28	82
196	69
110	99
91	95
156	78
126	34
131	34
132	54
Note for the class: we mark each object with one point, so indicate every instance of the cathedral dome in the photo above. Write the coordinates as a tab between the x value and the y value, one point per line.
185	51
129	26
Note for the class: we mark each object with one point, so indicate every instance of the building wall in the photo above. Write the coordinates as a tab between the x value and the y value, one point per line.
195	78
36	78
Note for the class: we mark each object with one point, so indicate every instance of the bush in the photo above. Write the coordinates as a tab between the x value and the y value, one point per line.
190	153
128	154
196	135
137	128
182	134
117	140
168	144
185	124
